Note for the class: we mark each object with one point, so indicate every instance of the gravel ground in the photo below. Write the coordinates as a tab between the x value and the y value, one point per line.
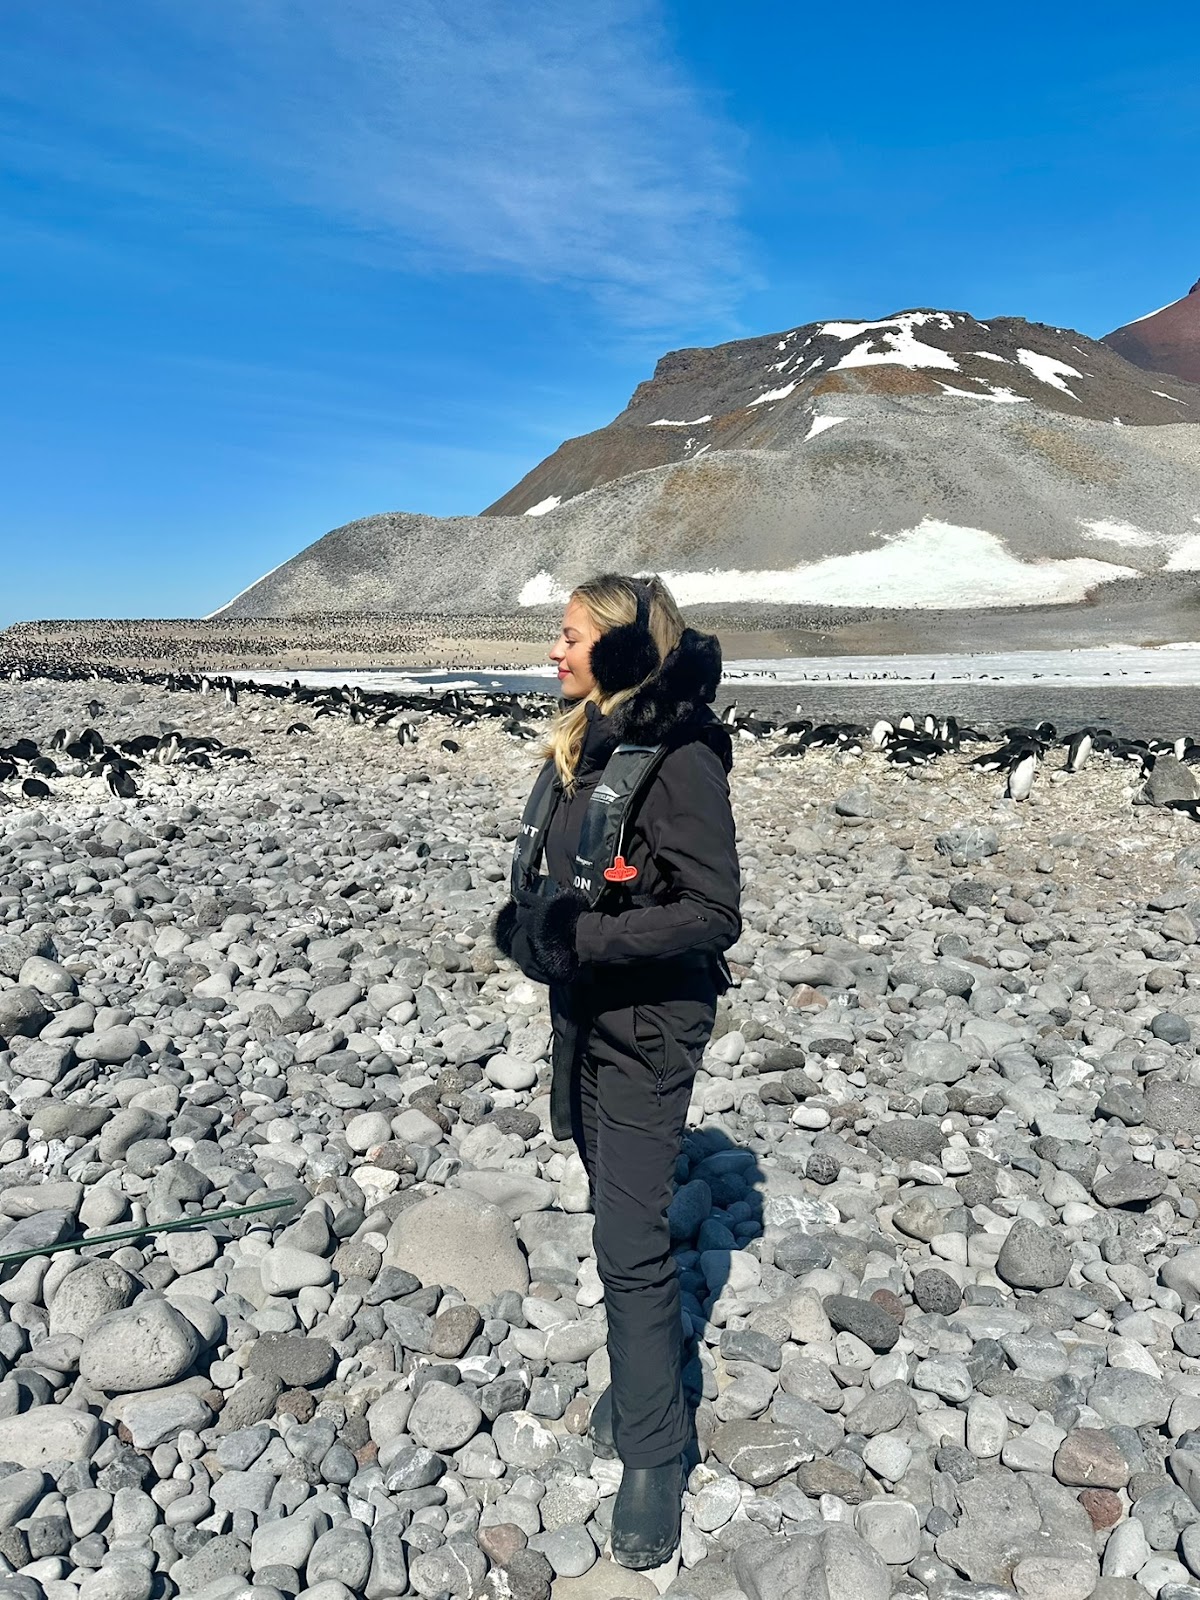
935	1220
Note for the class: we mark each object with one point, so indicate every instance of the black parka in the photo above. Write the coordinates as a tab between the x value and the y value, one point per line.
652	956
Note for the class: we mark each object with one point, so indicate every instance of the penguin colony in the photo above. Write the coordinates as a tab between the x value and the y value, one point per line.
911	741
87	753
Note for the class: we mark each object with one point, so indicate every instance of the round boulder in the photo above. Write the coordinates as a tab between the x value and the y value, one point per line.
149	1345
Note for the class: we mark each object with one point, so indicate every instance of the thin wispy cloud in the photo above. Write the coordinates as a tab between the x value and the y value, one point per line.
558	144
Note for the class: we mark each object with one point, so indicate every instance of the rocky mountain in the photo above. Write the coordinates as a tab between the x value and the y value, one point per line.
1167	340
925	459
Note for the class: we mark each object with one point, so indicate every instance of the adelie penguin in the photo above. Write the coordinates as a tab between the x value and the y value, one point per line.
120	783
35	789
1078	751
1020	777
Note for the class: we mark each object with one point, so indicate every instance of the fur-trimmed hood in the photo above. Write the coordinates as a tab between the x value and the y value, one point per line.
674	706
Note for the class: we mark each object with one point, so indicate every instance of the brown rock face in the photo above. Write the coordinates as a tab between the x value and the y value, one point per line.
1167	341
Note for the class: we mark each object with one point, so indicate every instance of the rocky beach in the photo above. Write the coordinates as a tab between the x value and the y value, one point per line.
935	1218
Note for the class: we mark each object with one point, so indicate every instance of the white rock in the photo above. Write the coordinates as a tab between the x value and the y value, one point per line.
364	1132
510	1072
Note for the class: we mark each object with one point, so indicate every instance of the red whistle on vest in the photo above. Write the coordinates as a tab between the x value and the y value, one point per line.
620	871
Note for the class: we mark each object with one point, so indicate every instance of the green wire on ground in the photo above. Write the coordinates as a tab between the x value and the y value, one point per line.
177	1225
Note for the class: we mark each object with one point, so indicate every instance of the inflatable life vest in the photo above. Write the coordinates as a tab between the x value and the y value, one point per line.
599	868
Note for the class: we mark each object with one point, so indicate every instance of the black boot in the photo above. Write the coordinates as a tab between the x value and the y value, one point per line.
647	1515
600	1428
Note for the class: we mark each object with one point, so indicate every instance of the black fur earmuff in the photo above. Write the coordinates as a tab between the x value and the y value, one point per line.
624	656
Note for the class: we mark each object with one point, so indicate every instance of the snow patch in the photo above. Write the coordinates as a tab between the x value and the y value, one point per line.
902	347
548	504
935	565
990	355
665	422
774	394
1173	397
820	424
1002	397
907	319
1186	558
1048	370
1126	533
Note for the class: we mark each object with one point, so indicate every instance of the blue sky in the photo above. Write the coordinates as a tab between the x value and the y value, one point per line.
270	265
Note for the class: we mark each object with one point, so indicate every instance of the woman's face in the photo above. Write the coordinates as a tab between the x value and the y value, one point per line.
572	651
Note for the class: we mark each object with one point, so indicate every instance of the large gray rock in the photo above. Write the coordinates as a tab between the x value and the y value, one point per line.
1129	1399
827	1561
49	1433
15	951
1172	1107
94	1290
1129	1185
1032	1257
456	1240
21	1012
1182	1273
444	1416
145	1347
759	1452
110	1046
342	1552
1169	780
46	1059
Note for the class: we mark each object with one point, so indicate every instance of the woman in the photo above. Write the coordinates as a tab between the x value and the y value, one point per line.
632	948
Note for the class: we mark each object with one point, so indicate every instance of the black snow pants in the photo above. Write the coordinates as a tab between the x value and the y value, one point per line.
639	1049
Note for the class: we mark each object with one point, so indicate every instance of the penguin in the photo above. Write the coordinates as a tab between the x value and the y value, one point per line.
1020	777
35	789
990	760
907	723
8	769
231	694
406	734
297	727
120	783
235	752
57	739
93	709
452	746
1078	751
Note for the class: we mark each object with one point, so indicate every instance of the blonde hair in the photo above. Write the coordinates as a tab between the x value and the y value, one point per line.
610	600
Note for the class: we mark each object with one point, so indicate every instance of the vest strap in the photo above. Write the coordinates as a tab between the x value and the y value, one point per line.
610	807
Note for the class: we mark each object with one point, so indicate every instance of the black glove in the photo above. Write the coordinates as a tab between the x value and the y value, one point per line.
537	931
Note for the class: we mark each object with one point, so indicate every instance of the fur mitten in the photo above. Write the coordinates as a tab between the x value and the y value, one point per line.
538	933
549	925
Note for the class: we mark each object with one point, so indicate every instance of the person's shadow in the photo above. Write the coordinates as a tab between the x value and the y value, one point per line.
731	1220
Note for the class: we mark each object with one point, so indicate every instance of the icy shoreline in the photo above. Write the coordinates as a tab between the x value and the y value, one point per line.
1169	666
